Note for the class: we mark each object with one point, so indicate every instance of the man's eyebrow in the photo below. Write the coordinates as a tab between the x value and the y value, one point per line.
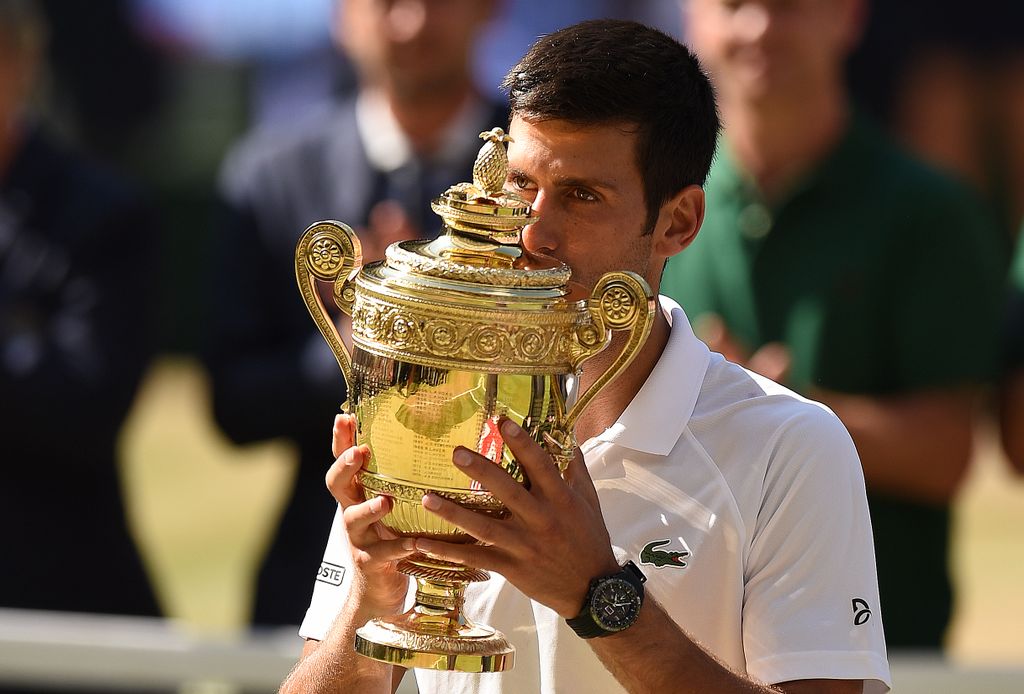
571	182
568	181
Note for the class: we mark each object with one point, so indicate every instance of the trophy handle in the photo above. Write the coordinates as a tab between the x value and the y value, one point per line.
329	251
621	301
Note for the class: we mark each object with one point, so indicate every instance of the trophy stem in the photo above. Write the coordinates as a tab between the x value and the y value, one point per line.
434	633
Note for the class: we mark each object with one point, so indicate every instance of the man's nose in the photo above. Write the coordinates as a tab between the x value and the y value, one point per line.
542	235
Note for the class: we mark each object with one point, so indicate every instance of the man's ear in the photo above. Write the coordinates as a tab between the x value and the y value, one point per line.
679	221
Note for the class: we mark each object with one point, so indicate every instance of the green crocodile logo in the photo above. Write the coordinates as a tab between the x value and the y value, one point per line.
659	558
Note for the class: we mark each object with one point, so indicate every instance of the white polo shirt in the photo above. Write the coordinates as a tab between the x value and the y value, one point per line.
762	493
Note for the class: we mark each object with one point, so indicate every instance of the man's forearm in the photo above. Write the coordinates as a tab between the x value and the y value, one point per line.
656	655
332	666
916	446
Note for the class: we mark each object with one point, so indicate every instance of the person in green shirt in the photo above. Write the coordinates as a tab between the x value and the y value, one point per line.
832	261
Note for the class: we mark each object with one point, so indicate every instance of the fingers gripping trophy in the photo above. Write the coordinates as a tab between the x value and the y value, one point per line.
448	336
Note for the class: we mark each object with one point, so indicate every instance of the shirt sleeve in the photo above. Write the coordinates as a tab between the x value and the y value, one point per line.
331	586
811	607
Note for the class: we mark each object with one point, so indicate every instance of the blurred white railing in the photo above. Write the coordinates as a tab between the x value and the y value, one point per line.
136	654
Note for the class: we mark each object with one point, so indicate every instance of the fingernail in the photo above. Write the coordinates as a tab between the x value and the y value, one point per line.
409	544
378	503
510	429
431	501
462	457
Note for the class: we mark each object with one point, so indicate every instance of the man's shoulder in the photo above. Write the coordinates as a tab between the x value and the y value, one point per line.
904	177
729	386
763	438
754	412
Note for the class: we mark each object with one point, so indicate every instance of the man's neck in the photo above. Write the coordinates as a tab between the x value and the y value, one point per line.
777	141
425	115
616	396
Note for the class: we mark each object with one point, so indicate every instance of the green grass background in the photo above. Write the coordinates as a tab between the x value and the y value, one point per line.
202	509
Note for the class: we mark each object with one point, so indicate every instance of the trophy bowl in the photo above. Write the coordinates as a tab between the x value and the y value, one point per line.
448	336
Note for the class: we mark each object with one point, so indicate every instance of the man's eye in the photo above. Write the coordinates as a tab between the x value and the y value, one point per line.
583	194
519	181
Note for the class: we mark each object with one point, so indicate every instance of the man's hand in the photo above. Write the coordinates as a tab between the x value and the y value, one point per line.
332	665
555	540
772	360
550	548
387	223
375	550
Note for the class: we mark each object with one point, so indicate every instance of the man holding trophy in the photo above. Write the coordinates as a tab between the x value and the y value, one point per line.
711	532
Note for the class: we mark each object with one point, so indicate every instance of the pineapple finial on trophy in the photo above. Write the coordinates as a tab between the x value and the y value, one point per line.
491	166
483	209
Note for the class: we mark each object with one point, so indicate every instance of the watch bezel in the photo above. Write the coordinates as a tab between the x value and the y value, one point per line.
635	601
587	625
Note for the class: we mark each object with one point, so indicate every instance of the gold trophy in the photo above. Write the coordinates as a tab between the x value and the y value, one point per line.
448	335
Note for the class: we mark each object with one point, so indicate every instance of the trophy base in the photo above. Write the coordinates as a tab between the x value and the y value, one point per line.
434	634
473	648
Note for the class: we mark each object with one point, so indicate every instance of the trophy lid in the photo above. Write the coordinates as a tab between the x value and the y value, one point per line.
474	297
483	226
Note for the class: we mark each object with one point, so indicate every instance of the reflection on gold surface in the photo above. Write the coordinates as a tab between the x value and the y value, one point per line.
413	417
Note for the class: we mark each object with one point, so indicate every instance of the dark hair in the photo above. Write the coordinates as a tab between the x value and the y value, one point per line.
610	71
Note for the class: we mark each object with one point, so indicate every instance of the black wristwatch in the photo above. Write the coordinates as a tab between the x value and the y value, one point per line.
612	603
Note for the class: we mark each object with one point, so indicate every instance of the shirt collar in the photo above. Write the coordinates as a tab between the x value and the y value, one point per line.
656	417
387	147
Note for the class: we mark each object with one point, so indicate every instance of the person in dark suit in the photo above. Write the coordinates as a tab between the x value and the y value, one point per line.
76	267
372	159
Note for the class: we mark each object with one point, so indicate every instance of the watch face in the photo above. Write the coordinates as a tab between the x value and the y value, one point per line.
615	604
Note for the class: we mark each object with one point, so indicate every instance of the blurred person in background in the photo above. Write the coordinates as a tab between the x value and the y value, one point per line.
76	251
373	159
106	83
948	80
1011	396
834	262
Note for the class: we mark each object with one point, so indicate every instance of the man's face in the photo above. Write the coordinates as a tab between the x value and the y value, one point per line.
757	49
584	183
411	46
